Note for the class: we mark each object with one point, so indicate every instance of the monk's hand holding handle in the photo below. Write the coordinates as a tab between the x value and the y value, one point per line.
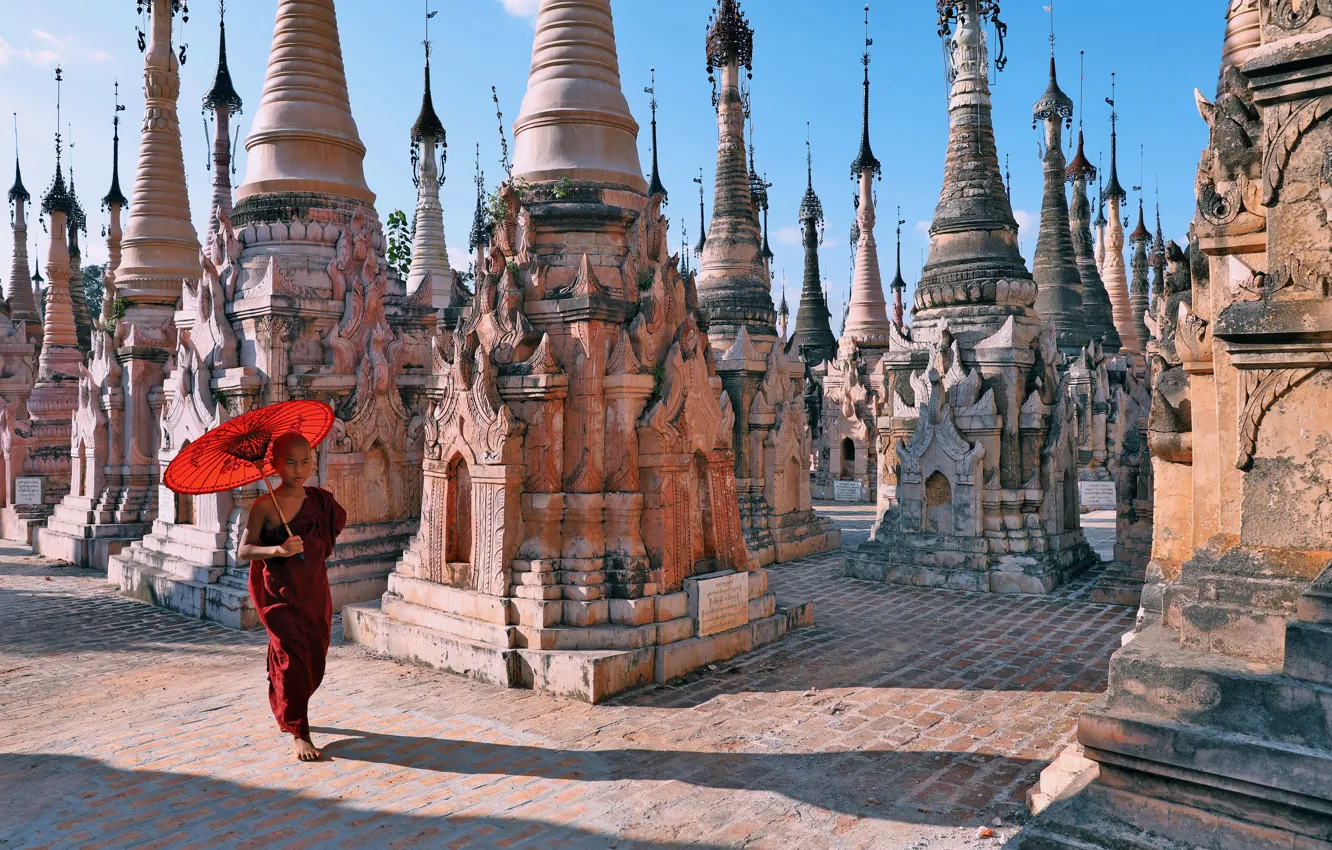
292	546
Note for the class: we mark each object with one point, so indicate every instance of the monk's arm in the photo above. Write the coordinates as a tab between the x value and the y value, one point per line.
260	511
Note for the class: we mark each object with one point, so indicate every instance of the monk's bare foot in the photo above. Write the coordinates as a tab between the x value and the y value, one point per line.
305	750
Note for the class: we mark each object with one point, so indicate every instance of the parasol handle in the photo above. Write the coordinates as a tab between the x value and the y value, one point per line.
269	484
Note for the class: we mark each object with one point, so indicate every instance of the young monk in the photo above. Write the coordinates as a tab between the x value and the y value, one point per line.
289	584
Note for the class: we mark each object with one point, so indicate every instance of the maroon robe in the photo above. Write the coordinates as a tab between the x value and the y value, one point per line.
294	603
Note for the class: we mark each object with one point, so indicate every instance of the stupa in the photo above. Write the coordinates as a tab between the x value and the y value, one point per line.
1213	732
1113	270
112	498
1095	300
852	388
295	301
1140	282
765	386
41	460
430	254
978	468
580	531
18	345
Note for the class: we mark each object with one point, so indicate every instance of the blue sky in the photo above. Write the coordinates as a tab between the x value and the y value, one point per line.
806	68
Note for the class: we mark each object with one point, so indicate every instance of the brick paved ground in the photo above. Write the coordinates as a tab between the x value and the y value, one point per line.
905	719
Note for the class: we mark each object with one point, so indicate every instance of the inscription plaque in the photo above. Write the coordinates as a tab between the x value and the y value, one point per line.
847	491
28	491
1097	495
722	603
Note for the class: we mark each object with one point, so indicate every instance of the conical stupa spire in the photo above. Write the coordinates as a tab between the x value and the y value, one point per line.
77	222
1139	291
813	338
655	186
898	286
113	203
1054	267
430	253
22	305
574	121
61	356
304	138
1095	300
867	312
1158	258
161	247
1113	270
479	237
224	102
974	257
733	282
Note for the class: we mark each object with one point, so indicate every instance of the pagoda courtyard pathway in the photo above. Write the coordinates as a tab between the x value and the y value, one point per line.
904	719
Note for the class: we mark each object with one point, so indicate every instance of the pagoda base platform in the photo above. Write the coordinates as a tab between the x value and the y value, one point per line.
778	538
79	534
972	563
495	640
186	569
19	523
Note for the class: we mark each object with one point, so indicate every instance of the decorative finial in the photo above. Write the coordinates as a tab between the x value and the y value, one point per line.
480	235
115	196
1113	189
223	94
655	186
702	220
811	208
865	159
57	197
955	11
17	192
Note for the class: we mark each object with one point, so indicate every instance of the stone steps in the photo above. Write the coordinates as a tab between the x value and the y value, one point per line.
1237	630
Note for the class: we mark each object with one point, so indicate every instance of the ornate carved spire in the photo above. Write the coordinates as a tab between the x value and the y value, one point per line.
304	137
865	160
1054	267
115	197
813	338
222	100
973	240
733	282
654	182
19	295
77	222
1113	270
702	217
1095	300
1139	297
480	235
161	247
898	286
866	321
430	253
1158	258
61	357
574	121
113	203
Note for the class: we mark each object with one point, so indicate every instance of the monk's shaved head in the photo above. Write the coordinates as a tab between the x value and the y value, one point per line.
287	444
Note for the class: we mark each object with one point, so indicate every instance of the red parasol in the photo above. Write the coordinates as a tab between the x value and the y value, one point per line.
238	452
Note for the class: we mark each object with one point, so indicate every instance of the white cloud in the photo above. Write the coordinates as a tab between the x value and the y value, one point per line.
459	259
1026	222
521	8
788	236
36	57
923	228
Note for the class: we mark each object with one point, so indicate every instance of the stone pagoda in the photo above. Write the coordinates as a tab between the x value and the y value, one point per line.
852	391
763	384
19	344
1096	308
295	301
978	466
1054	267
1140	281
22	300
1113	270
580	531
38	449
1214	732
813	338
109	504
430	254
75	223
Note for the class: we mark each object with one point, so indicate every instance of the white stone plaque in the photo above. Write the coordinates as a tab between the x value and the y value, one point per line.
1097	495
723	603
848	491
28	491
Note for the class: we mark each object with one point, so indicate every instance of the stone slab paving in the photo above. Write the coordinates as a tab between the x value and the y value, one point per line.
905	719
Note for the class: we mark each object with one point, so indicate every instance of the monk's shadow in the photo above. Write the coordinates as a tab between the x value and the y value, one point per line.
836	781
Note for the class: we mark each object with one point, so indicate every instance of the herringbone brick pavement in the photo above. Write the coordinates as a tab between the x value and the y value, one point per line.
905	719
